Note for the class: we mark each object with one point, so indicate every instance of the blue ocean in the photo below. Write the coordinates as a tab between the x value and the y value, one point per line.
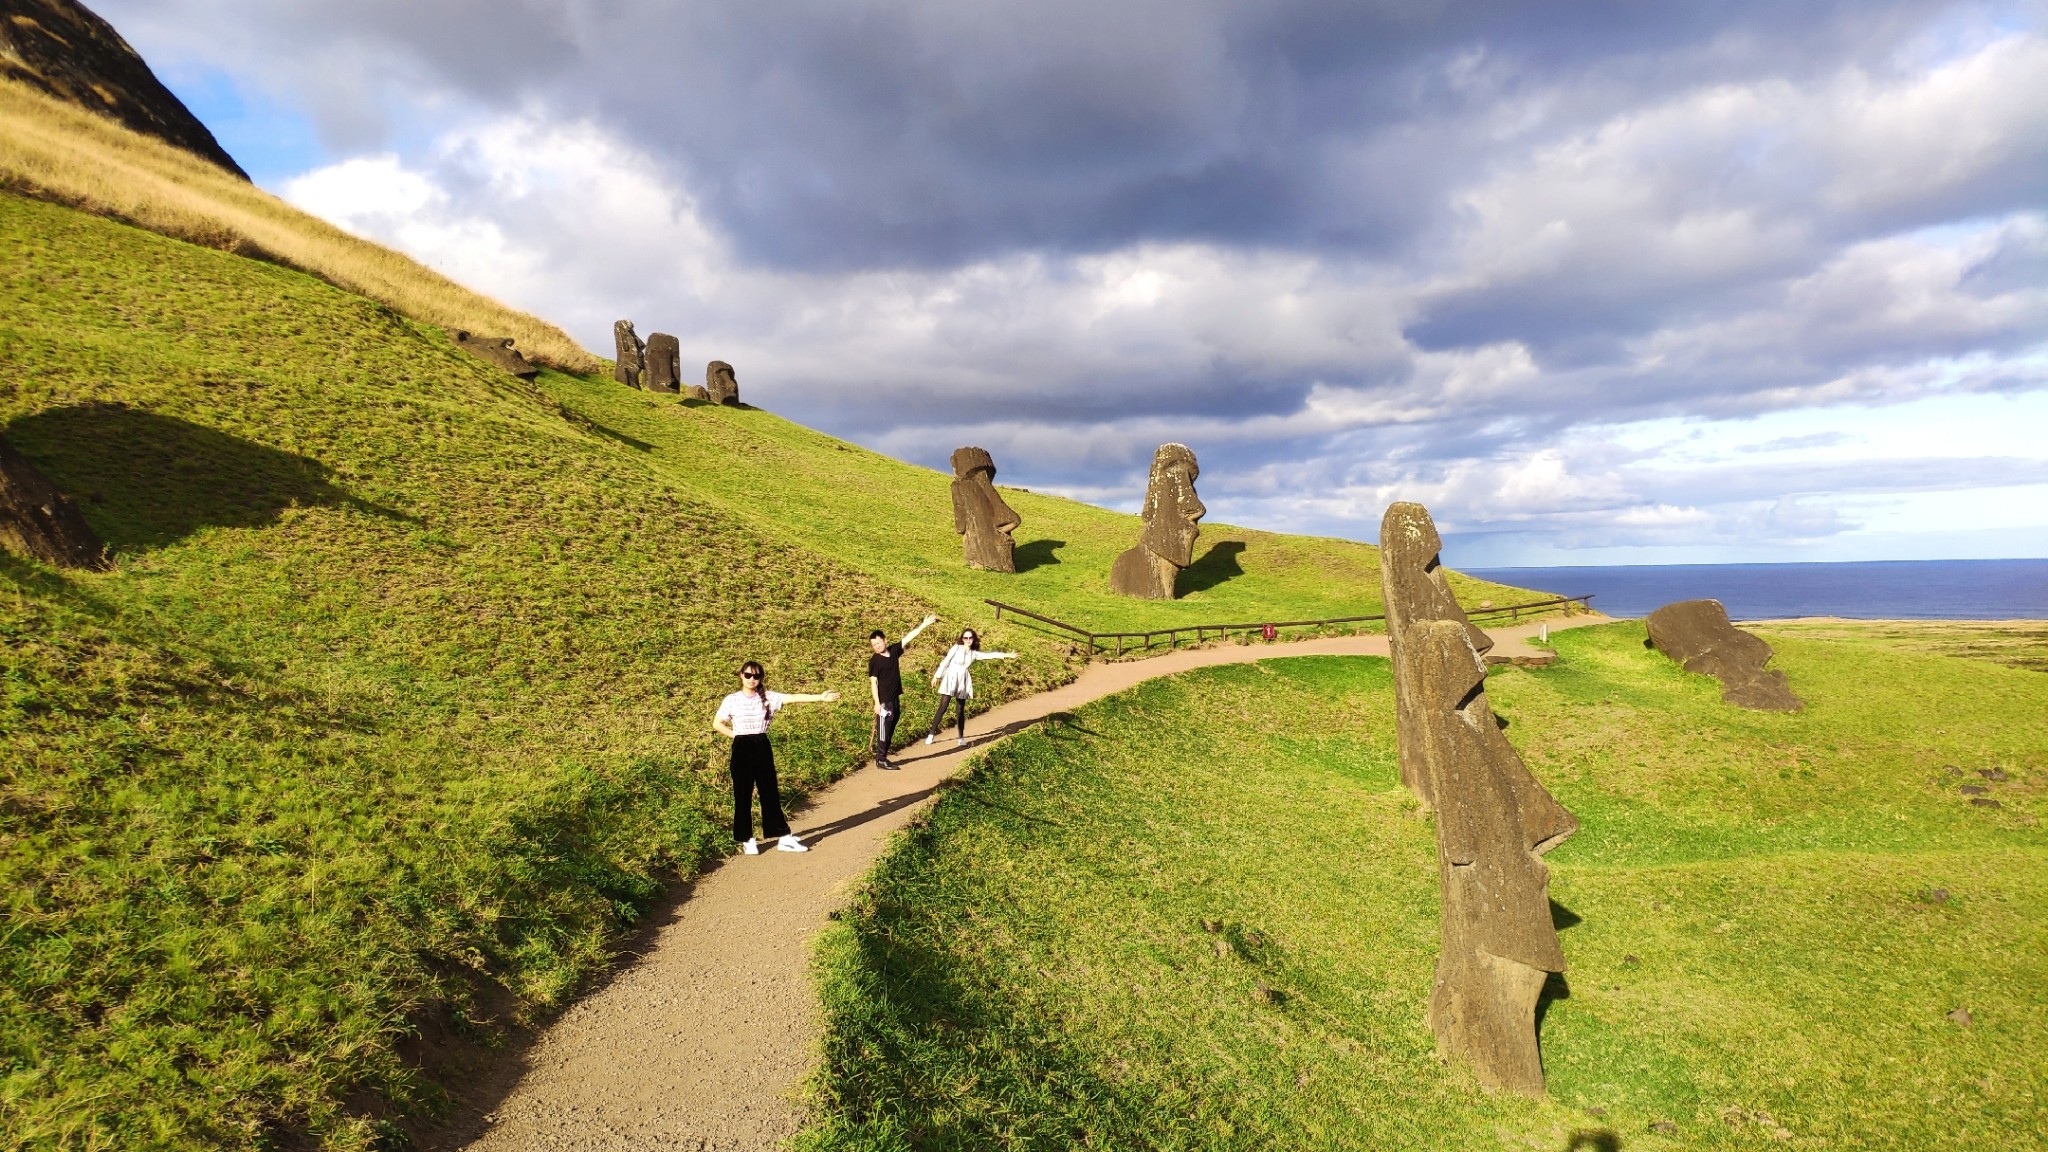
1879	590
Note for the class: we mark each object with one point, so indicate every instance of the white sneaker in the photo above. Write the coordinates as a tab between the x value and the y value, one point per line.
790	844
751	848
961	743
928	740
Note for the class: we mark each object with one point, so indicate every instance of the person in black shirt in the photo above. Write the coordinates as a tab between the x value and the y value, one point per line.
885	681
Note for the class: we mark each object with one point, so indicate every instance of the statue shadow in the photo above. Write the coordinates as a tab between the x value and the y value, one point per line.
1595	1140
1036	554
145	480
1214	567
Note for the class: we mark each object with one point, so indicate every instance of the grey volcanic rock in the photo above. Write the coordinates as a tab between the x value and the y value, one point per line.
1413	586
38	520
629	358
1494	821
1697	634
980	515
720	384
63	49
498	350
664	364
1166	544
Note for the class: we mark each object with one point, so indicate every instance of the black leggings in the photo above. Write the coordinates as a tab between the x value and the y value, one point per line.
753	767
939	717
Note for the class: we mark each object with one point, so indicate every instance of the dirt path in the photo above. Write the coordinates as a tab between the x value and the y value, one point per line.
698	1043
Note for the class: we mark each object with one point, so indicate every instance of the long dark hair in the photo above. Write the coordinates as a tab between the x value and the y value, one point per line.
976	644
760	686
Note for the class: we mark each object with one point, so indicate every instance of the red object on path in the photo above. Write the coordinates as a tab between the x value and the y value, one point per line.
1269	632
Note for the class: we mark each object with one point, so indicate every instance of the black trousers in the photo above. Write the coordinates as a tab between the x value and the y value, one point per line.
885	728
939	717
753	767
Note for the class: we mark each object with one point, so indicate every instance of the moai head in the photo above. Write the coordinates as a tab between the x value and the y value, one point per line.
498	350
1412	581
630	356
720	382
1698	634
1173	513
981	517
664	363
1494	821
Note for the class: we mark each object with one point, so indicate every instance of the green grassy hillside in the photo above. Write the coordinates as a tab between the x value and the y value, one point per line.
1203	915
394	707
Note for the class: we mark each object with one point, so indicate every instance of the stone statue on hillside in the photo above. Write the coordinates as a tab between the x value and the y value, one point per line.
664	364
630	360
981	517
1493	822
1697	634
39	521
720	384
498	350
1413	586
1173	515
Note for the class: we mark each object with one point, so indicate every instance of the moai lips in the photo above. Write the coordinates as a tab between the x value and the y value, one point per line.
1698	635
1494	821
980	515
1173	514
1413	585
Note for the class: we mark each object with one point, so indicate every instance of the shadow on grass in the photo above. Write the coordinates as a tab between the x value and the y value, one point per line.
1036	554
1214	567
1594	1140
146	480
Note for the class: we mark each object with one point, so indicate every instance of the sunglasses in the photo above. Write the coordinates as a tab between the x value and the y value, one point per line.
750	675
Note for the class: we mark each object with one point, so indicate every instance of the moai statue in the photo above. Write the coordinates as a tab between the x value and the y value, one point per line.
39	521
1494	821
1413	586
697	392
498	350
631	362
664	363
981	517
1697	634
1173	515
720	384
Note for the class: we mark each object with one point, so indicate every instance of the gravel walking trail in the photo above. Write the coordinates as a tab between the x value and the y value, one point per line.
698	1042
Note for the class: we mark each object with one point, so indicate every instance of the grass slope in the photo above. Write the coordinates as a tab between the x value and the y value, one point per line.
393	710
1767	919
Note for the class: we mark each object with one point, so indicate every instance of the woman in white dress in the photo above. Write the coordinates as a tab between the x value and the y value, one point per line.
955	681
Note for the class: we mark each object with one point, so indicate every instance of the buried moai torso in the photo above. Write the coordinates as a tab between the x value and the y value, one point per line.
1173	515
664	363
720	385
497	350
980	515
1698	634
631	355
1413	586
1493	821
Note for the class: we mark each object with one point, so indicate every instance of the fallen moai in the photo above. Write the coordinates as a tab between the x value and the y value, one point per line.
499	351
721	386
664	359
1494	821
1413	586
1698	635
39	521
630	357
1173	514
980	514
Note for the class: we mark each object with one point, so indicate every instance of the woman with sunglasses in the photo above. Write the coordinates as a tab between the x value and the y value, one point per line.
955	682
745	716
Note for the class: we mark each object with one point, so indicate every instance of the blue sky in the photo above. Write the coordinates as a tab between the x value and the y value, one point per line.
1605	283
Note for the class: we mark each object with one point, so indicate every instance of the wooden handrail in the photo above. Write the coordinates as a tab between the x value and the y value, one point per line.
1172	635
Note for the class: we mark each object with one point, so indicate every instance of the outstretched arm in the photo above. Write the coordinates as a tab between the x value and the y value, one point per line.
912	634
995	655
809	697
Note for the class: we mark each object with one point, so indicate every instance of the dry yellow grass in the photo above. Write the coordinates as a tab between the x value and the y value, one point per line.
60	152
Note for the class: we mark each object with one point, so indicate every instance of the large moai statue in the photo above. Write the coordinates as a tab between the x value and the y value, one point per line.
39	521
630	360
721	385
1413	586
1173	515
1494	821
1698	634
664	364
497	350
980	515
